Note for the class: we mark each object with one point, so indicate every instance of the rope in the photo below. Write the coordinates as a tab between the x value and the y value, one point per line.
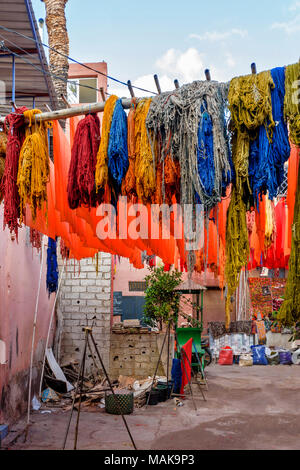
291	101
9	188
81	178
50	325
34	167
33	335
117	150
101	175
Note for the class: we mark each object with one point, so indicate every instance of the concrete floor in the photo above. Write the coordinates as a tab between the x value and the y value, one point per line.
247	408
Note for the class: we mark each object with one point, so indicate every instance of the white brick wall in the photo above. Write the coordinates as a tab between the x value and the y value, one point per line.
85	295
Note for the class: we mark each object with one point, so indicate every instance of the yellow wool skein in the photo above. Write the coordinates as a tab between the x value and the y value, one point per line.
34	166
250	102
101	175
144	167
269	225
237	246
292	101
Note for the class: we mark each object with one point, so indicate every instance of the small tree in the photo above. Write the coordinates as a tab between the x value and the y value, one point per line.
162	300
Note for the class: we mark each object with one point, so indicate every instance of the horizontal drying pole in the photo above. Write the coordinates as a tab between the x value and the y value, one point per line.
75	111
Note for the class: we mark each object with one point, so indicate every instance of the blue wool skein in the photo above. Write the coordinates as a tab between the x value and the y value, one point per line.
117	149
266	161
205	152
52	269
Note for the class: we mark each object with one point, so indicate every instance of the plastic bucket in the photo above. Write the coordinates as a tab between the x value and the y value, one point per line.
154	397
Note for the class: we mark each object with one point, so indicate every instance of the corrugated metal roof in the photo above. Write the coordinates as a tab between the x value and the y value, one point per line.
18	15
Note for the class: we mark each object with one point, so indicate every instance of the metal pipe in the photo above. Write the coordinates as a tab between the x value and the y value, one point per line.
13	84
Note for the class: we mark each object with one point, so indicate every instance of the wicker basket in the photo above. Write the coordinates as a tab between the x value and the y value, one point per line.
123	398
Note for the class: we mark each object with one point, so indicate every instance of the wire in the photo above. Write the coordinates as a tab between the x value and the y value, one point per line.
75	61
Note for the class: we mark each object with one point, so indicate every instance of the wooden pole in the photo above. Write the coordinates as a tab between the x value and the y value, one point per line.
75	111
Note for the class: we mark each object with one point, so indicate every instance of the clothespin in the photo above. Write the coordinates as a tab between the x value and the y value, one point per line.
207	74
157	84
130	89
102	94
176	83
253	68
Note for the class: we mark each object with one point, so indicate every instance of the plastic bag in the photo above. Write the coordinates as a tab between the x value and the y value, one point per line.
272	357
285	357
296	357
259	356
246	360
226	356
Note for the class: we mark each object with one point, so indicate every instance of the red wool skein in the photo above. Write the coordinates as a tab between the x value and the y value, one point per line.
81	178
9	188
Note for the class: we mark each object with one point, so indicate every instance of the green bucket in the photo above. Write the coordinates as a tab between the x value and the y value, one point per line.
125	401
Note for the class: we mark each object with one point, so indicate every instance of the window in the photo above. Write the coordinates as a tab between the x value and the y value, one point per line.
87	95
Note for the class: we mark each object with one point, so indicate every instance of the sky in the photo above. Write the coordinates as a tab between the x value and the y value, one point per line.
180	39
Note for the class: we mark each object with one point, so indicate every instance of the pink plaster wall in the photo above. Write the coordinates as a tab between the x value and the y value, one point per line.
213	303
19	277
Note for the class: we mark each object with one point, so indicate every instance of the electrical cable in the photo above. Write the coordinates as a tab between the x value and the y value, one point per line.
74	60
45	71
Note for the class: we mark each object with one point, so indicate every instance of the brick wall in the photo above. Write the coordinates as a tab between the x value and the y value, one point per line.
84	295
136	354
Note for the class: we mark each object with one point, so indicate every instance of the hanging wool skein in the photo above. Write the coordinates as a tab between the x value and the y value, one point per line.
251	107
9	188
117	151
101	175
3	145
129	182
144	163
237	247
174	118
292	101
35	239
173	121
266	160
52	269
34	166
81	179
289	312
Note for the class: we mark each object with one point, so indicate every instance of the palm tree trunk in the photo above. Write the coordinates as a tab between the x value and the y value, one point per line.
59	40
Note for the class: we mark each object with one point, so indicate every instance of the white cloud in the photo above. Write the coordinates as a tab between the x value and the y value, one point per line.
289	27
219	36
229	59
294	6
186	66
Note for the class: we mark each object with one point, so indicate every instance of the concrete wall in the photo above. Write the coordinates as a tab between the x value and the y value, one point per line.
19	277
136	354
85	295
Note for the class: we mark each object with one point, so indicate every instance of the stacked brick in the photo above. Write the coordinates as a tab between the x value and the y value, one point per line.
85	296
